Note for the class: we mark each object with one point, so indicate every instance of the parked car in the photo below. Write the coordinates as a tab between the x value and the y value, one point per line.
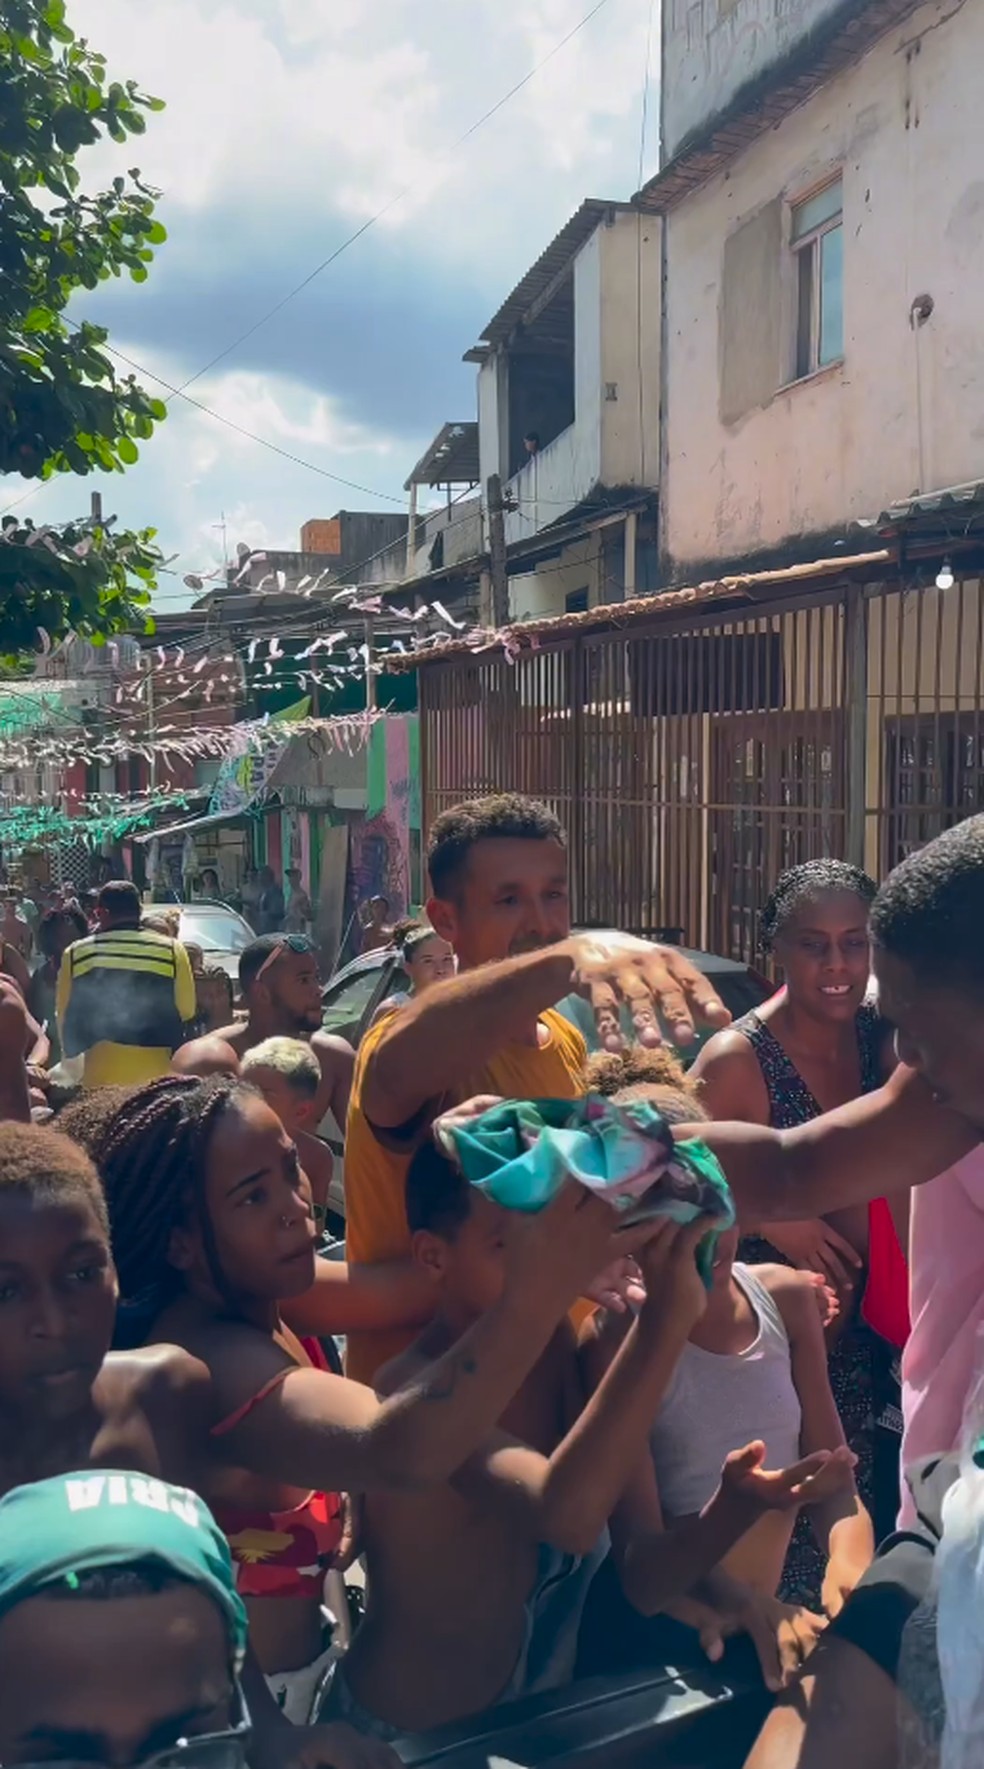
351	997
221	933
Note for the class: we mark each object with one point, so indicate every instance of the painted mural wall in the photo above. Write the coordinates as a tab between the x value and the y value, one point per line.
383	844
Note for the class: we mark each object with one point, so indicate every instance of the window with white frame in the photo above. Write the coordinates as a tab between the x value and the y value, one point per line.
817	239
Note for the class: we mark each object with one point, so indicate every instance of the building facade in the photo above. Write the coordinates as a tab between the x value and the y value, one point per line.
822	204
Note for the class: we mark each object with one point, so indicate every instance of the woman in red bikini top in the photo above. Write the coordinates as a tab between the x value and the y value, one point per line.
204	1186
212	1229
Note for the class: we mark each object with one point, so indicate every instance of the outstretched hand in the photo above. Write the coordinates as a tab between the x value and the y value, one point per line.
809	1482
656	984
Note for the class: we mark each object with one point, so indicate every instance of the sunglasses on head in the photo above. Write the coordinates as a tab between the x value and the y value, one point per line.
219	1750
285	943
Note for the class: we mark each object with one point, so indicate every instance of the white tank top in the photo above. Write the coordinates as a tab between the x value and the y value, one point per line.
718	1402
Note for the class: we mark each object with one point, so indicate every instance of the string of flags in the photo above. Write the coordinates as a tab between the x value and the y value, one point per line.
250	736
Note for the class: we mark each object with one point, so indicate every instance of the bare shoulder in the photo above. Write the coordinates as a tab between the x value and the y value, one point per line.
212	1055
155	1374
729	1046
329	1048
729	1078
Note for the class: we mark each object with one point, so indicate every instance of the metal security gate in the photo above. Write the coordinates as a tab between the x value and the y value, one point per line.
693	760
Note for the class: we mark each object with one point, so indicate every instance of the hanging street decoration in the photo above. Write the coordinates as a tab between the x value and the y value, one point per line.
96	819
251	735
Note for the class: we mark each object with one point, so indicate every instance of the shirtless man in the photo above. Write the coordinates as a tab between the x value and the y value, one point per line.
281	986
476	1588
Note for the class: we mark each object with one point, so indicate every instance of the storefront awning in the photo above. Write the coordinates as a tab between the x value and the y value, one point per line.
193	827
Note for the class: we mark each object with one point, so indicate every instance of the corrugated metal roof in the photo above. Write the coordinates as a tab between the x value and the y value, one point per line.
451	459
550	264
765	102
963	501
751	587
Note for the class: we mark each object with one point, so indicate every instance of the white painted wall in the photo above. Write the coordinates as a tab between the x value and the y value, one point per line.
613	441
711	48
540	593
908	131
631	293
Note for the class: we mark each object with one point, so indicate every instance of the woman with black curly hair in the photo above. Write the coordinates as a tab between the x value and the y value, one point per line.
818	1043
214	1242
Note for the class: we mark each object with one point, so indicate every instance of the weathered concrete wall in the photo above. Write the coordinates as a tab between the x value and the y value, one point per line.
904	412
712	48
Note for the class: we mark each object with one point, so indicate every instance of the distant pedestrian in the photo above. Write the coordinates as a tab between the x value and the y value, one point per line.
125	995
300	914
374	920
271	907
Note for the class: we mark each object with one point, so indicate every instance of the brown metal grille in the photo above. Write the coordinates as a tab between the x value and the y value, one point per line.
693	761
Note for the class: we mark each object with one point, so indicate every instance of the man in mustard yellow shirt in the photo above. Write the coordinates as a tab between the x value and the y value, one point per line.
125	995
498	872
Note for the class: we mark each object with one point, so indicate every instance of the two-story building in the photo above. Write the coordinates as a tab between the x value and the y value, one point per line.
568	416
822	203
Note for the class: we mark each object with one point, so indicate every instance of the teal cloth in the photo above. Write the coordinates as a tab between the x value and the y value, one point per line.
520	1153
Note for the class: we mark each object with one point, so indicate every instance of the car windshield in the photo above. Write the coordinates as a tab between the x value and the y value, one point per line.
215	930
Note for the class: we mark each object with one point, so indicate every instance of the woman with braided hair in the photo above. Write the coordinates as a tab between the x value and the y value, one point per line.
816	1044
212	1233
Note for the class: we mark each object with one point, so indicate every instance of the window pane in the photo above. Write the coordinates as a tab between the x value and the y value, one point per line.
832	295
805	363
816	210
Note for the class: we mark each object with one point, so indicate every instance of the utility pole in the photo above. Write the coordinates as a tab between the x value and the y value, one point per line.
97	506
497	552
151	726
370	678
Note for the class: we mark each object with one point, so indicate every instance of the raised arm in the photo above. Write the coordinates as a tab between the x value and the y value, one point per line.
322	1431
566	1499
435	1042
840	1522
454	1028
349	1298
884	1142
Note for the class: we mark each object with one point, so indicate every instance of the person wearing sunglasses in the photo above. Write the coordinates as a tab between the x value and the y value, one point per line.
122	1636
280	978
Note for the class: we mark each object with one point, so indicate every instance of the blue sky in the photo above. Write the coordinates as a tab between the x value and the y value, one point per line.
288	124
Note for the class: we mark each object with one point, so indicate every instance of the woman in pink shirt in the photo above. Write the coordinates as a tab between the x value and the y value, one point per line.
942	1356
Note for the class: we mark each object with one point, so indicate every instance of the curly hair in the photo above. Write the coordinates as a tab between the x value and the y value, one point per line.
506	816
803	884
151	1146
640	1074
40	1162
930	910
608	1072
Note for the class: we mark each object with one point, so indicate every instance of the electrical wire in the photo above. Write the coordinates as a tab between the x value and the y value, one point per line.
360	232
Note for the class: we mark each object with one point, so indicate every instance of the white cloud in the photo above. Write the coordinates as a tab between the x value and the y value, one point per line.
294	121
342	104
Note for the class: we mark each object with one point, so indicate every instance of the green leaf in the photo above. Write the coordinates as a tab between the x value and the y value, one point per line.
127	451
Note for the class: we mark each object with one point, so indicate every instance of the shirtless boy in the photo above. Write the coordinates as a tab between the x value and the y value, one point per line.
288	1075
476	1588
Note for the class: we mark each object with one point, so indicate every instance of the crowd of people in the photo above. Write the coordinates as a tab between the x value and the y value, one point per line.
645	1366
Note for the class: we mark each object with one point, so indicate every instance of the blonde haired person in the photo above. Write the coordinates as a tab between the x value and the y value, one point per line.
288	1075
